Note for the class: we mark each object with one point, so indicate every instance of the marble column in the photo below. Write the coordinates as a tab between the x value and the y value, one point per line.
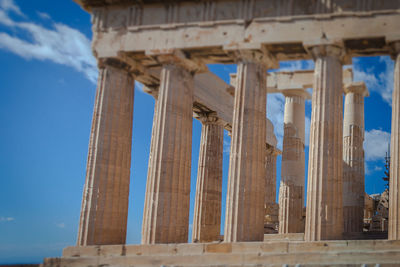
270	181
244	219
394	196
270	164
271	219
291	190
324	214
207	207
353	157
166	211
105	197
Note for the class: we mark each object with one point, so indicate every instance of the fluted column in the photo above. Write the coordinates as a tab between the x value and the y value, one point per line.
207	207
270	181
291	190
394	187
105	197
166	211
353	157
244	219
270	205
150	182
324	214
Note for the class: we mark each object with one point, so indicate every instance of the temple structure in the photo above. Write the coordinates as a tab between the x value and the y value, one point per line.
166	45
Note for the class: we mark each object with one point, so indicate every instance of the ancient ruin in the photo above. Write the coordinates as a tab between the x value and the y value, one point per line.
166	46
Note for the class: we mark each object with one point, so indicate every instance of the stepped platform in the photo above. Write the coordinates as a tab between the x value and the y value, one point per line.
283	237
268	253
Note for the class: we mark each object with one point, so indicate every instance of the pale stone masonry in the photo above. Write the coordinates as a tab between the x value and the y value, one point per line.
353	157
291	191
244	219
324	215
394	196
166	211
105	196
270	165
271	219
207	207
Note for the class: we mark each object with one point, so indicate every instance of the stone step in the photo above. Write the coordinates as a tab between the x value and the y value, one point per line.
271	253
351	258
366	236
283	237
234	248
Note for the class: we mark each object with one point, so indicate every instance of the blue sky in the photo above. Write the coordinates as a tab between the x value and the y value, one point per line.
47	88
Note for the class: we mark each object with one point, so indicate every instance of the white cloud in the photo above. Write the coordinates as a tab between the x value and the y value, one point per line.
60	44
60	225
370	167
307	131
4	19
6	219
9	5
367	169
275	112
376	144
227	143
43	15
227	147
377	80
377	168
294	65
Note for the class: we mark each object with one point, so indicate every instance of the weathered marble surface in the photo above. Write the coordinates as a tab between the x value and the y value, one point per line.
324	214
353	157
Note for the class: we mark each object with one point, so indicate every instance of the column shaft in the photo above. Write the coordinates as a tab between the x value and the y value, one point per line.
270	181
394	187
291	190
324	215
207	209
105	196
166	212
244	220
353	162
271	207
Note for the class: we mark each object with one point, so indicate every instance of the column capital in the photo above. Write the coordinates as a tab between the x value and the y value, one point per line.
327	50
113	62
207	117
259	56
324	48
356	87
178	57
298	92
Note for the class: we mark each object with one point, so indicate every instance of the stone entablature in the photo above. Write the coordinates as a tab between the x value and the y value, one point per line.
148	28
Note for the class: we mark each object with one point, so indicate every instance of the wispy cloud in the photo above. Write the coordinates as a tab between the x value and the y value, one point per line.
227	143
376	144
9	5
294	65
43	15
275	112
227	147
377	79
60	225
377	168
7	219
60	43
